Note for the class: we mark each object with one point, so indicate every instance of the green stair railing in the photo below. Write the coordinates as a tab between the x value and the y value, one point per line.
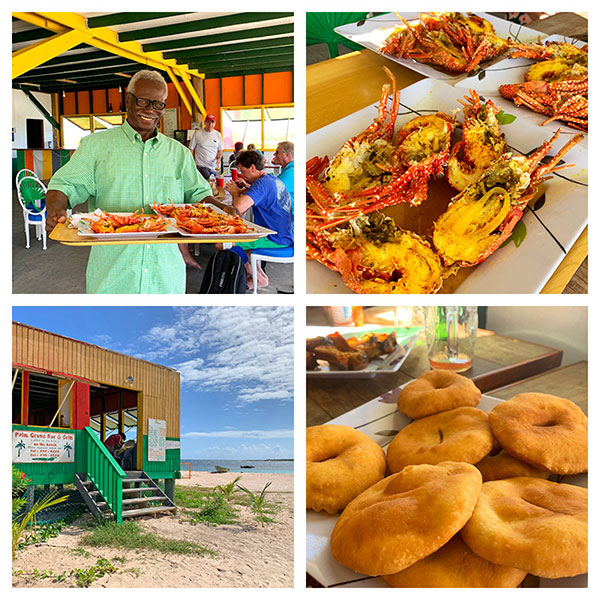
106	473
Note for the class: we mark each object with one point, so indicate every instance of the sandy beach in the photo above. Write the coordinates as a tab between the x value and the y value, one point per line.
245	553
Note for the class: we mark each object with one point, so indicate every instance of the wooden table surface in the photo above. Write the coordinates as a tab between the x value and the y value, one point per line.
357	79
499	361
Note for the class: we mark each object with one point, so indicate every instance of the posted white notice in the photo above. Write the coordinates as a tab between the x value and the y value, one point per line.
157	438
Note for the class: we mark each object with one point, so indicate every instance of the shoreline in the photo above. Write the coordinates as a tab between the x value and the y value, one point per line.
254	481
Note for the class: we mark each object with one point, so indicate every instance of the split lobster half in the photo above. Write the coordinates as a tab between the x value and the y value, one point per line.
483	215
376	169
481	144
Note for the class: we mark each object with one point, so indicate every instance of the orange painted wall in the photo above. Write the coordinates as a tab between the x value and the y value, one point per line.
253	89
69	103
83	102
233	91
114	99
278	88
99	100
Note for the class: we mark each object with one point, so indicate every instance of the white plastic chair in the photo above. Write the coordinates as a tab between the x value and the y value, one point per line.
278	255
32	197
25	173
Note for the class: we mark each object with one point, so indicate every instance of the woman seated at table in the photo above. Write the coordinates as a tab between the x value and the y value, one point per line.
238	147
271	206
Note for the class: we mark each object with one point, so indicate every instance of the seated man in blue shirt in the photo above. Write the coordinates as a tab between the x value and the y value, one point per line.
284	156
271	206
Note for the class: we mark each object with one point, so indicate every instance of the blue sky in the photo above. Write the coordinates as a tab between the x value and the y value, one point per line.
236	366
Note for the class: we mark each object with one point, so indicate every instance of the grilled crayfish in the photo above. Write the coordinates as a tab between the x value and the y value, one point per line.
485	213
481	143
556	87
376	169
136	222
455	42
374	256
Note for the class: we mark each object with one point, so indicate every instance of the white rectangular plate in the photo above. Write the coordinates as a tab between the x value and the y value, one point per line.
381	421
373	32
512	70
375	367
83	229
551	229
254	231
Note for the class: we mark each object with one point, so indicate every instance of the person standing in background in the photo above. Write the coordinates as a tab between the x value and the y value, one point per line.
206	145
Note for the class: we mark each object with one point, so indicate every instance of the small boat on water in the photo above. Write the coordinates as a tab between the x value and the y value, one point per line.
246	466
219	469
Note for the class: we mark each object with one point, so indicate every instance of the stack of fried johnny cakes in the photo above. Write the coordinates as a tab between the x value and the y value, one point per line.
468	502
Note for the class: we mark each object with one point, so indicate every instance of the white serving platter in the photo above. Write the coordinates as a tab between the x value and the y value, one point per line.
551	229
254	231
381	421
512	70
381	364
83	229
373	32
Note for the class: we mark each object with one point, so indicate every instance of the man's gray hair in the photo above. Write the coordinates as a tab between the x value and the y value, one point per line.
286	148
148	75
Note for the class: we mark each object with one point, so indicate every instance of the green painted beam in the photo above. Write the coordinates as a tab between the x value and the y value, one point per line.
214	64
250	54
76	58
42	109
206	40
68	70
111	19
81	74
181	55
31	35
201	25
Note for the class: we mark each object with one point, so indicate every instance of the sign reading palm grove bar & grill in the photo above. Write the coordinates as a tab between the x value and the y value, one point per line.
42	446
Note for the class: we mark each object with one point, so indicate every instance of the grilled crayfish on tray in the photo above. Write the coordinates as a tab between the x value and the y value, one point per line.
557	86
452	41
482	142
136	222
484	214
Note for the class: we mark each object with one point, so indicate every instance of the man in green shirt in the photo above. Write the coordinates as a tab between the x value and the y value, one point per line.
125	169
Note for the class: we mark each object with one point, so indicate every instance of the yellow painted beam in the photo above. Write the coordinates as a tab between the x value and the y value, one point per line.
102	38
188	84
31	57
179	89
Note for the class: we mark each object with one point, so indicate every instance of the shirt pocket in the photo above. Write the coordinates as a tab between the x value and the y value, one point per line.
169	187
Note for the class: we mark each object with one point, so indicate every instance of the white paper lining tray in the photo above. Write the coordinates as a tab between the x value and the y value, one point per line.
381	420
83	229
381	364
551	228
373	32
512	70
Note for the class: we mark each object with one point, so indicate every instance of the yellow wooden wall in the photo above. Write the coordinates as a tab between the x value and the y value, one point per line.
159	385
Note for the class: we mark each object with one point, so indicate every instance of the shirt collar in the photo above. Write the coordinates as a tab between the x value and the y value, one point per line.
290	165
134	136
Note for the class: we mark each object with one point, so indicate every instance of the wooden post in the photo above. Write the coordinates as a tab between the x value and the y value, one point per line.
25	398
170	489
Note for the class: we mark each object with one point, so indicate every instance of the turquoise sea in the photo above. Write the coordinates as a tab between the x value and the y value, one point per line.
259	466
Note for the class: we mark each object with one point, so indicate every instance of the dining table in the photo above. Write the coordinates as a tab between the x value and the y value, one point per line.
357	78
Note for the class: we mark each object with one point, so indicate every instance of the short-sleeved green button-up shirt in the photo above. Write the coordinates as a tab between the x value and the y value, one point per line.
116	171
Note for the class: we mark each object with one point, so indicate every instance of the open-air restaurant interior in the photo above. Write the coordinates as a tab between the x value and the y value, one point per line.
221	85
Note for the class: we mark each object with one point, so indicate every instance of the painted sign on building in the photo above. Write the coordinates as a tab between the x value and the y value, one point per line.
157	440
42	446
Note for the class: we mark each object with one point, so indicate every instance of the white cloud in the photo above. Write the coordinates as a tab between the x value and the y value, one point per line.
237	434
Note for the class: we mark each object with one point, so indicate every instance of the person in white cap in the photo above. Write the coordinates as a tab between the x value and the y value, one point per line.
206	145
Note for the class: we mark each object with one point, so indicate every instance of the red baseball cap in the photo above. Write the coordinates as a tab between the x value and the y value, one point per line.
210	118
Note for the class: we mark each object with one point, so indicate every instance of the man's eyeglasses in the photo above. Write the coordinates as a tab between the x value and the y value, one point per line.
144	102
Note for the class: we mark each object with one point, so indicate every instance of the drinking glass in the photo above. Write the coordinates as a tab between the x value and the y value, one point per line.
450	333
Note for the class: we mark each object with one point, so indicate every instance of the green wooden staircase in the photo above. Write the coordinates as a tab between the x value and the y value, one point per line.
111	492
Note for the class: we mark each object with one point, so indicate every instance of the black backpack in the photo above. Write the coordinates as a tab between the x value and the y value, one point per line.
225	274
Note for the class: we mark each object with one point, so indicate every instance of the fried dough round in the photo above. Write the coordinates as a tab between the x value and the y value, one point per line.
405	517
505	466
454	565
461	435
546	431
341	462
437	391
531	524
